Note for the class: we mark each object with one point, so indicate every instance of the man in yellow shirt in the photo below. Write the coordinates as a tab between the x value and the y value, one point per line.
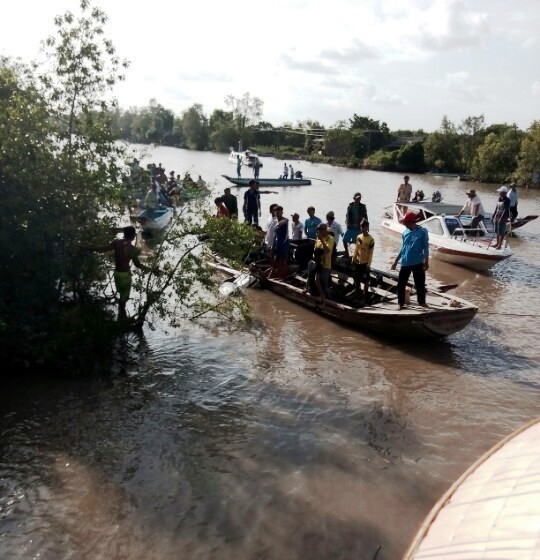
363	254
325	242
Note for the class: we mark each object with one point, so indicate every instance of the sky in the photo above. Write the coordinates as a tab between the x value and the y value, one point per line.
404	62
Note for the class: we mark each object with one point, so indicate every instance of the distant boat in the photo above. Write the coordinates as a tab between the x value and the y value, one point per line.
459	176
155	219
269	182
247	157
492	510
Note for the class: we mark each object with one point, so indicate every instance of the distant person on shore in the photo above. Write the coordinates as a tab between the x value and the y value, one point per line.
513	198
361	260
124	254
404	191
311	223
231	202
501	216
297	228
414	255
356	212
474	208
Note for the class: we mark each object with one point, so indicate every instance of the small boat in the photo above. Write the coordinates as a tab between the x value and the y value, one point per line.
520	222
192	192
451	239
445	315
492	510
269	182
247	157
155	219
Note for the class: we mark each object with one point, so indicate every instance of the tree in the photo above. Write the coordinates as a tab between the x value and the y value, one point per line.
441	148
528	169
410	157
471	137
247	110
195	127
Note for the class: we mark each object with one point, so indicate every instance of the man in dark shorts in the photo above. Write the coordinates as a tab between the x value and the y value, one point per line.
252	203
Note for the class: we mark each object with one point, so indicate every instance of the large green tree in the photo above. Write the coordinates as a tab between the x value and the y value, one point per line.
195	127
528	168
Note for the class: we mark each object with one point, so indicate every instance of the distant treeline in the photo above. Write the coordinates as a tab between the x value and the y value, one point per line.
495	153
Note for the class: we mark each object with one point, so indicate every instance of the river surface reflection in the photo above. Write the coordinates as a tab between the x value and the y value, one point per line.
291	438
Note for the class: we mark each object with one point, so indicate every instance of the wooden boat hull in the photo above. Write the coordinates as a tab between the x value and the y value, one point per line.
244	182
492	510
155	220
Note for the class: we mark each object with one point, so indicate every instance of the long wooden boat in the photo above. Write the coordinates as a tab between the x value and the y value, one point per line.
155	219
492	510
244	182
445	315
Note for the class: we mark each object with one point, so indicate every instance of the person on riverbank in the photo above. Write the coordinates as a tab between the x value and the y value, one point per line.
501	215
473	207
231	202
361	260
221	210
404	191
356	212
513	198
297	228
124	254
414	256
311	223
252	203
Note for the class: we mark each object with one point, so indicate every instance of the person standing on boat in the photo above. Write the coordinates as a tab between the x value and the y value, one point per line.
362	257
291	172
474	208
238	166
252	203
231	203
280	246
356	212
285	171
501	215
404	191
325	241
414	255
297	228
336	230
268	243
311	223
124	253
513	198
256	167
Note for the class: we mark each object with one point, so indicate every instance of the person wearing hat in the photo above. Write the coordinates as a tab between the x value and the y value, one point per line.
501	215
414	255
356	212
474	208
336	230
324	242
513	198
297	228
404	191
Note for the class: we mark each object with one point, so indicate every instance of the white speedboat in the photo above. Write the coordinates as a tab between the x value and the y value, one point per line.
247	157
451	239
155	219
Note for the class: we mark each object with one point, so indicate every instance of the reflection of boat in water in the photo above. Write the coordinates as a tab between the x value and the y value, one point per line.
492	510
451	239
240	182
444	316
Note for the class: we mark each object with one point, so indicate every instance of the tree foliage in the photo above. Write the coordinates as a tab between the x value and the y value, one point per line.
528	168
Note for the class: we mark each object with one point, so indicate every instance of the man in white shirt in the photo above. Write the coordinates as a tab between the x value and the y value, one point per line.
513	198
270	231
334	227
474	208
297	228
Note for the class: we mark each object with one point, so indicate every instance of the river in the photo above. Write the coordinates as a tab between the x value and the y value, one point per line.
291	438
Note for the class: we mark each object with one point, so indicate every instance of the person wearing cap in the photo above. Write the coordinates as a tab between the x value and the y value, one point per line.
356	212
474	208
297	228
513	198
311	223
414	256
252	203
404	191
324	242
501	215
336	230
362	257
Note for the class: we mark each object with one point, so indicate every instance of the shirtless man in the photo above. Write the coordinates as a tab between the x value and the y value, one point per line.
405	190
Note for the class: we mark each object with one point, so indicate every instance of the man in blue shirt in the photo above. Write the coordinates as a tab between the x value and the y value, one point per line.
414	256
311	223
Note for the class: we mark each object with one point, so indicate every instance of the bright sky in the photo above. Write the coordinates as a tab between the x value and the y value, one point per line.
404	62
